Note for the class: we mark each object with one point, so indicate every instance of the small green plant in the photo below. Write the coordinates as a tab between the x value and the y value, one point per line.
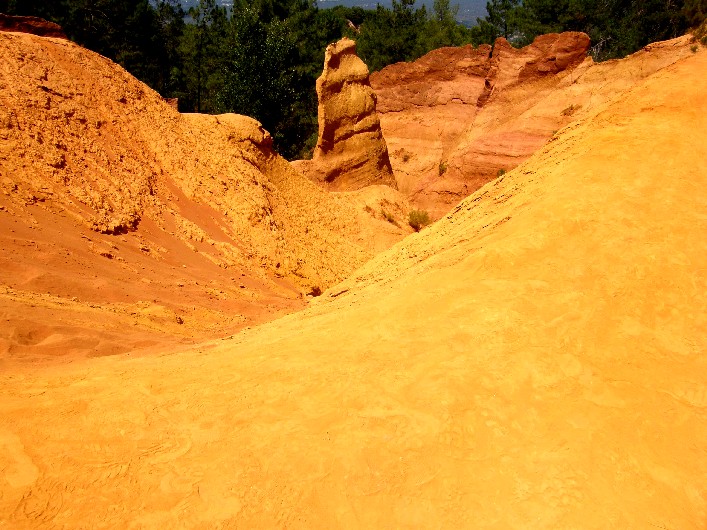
694	48
442	168
418	219
501	172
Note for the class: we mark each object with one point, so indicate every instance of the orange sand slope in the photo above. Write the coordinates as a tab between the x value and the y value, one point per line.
533	360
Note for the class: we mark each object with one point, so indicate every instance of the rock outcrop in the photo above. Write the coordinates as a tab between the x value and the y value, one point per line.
444	97
459	117
351	152
547	55
34	25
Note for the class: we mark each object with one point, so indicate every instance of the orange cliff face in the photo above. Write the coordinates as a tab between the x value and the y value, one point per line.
117	209
535	359
459	117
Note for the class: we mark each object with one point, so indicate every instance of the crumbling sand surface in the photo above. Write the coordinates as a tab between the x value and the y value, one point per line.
456	118
533	360
122	219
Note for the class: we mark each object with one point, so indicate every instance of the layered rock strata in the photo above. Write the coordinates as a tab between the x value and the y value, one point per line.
351	152
447	123
460	117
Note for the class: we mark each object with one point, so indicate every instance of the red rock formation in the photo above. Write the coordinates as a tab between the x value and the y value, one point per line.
351	152
33	25
426	105
547	55
450	102
458	117
445	75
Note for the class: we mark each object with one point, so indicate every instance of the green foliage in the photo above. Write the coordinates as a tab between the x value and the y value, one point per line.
700	32
443	29
695	12
418	219
502	17
444	13
390	36
169	18
259	78
276	53
442	168
616	27
203	52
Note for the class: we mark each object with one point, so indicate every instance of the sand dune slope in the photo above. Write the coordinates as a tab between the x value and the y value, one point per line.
533	360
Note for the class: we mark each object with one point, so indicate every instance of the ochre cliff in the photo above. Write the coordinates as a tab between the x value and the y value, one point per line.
351	152
458	117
